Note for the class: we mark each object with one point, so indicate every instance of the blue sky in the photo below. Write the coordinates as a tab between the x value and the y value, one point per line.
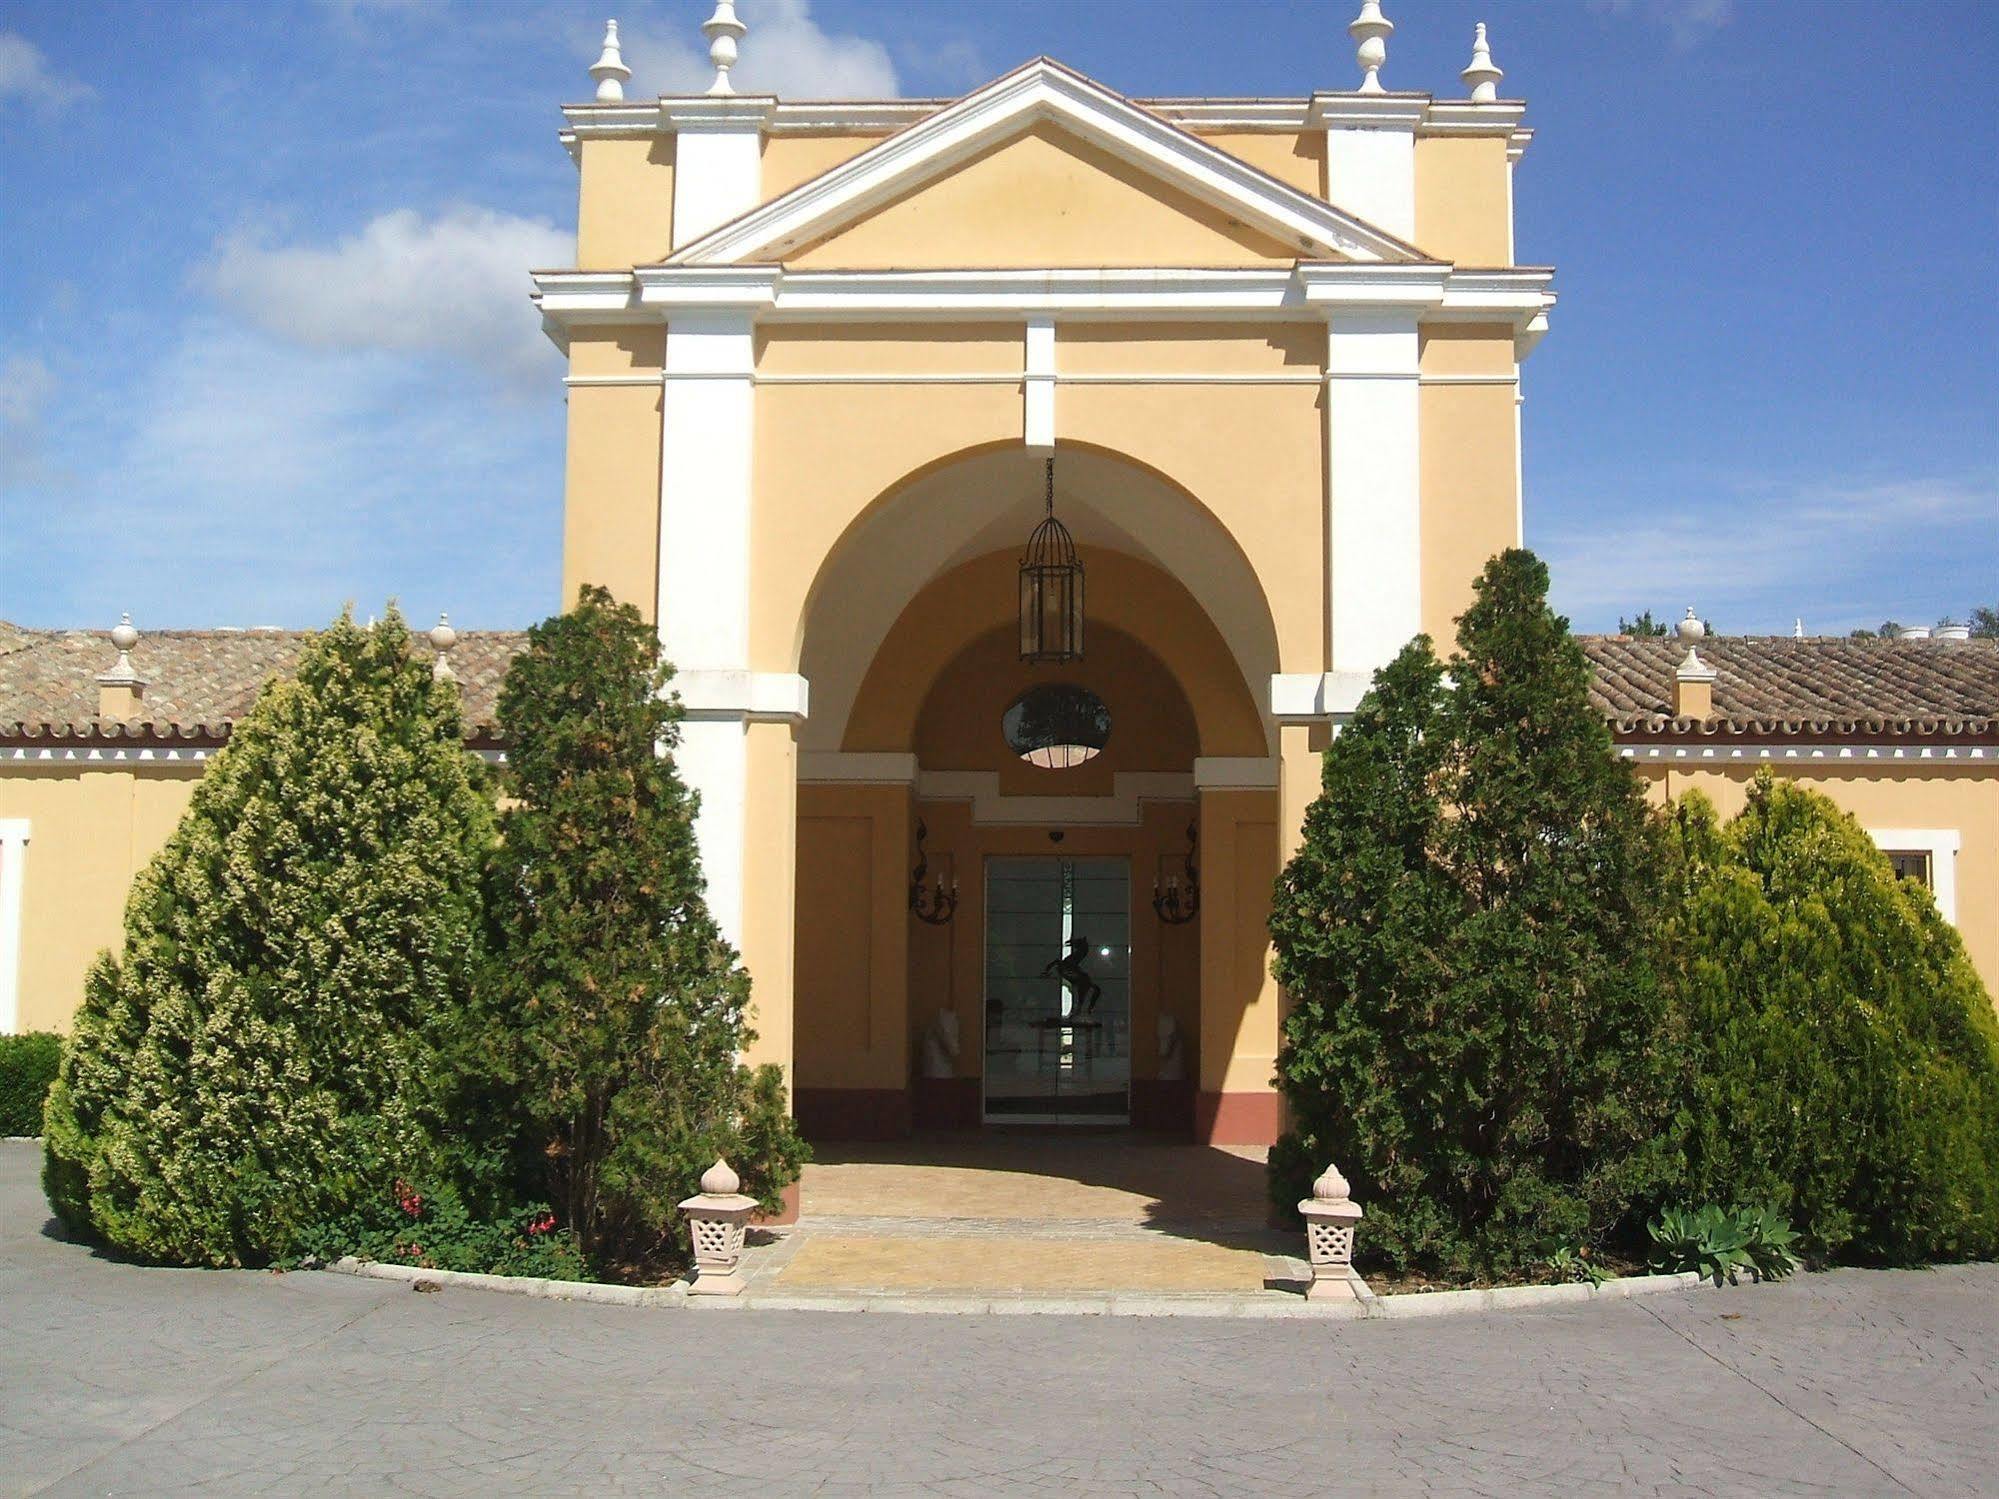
264	342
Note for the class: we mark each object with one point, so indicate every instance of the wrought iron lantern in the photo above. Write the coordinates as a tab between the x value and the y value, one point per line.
1178	900
932	906
1051	590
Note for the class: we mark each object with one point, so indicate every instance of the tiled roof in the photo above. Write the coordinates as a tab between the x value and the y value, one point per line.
1774	685
201	681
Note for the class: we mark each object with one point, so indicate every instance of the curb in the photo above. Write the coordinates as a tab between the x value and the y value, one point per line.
1368	1308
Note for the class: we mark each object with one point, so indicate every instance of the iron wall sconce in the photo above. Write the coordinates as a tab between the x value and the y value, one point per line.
932	904
1178	901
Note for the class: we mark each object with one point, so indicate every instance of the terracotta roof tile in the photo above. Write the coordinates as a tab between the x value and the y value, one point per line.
1774	685
201	681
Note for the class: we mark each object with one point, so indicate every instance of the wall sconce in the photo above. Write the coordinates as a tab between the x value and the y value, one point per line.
1178	901
932	904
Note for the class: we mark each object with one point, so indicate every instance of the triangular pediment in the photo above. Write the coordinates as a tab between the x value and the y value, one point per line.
1048	119
1045	197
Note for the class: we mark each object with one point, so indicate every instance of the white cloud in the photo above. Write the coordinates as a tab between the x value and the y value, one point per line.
785	53
242	479
25	74
1688	22
1840	553
455	285
25	387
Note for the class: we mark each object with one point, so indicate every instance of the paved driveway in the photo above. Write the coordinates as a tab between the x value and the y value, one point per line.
115	1379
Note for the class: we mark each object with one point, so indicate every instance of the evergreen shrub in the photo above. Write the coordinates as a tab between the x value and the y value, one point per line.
1477	1036
28	1064
273	1045
1842	1053
617	1010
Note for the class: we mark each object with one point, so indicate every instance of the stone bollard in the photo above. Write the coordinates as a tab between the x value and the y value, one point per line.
1330	1216
716	1220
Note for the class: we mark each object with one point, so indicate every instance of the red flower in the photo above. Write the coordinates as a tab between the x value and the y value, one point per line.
409	1201
542	1224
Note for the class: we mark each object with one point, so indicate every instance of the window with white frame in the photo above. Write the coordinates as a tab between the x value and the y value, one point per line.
13	876
1926	855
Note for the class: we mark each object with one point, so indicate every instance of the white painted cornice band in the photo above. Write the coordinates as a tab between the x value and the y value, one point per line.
1316	697
762	695
592	121
1707	752
856	768
1311	290
1235	773
1124	807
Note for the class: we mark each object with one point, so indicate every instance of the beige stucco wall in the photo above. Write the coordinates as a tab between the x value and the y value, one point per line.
791	159
1464	199
91	829
1470	436
610	512
1295	158
1043	198
624	203
1963	797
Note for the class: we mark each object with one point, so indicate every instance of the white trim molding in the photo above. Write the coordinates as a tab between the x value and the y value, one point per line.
13	885
1317	696
1708	752
762	696
856	768
1941	844
114	754
1235	773
1124	807
1010	105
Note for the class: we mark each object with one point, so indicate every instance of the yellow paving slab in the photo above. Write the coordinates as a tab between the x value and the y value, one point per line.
1038	1178
1039	1266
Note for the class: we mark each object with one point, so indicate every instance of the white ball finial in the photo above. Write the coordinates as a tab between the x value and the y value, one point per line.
123	635
723	31
719	1180
1482	77
609	69
442	639
1371	29
1690	629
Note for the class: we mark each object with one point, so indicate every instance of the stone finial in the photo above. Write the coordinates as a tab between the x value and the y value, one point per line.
1371	30
1798	628
442	639
1331	1217
723	31
609	69
717	1222
720	1180
1483	76
121	689
1690	629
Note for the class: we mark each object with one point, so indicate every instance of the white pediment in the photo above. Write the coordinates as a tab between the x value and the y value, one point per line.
1042	91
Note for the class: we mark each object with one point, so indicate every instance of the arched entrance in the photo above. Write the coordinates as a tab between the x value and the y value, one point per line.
979	1004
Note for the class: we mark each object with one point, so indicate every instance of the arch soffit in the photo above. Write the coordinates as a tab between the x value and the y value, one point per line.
985	500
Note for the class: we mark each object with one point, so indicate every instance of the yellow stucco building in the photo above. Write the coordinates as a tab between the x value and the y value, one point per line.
829	365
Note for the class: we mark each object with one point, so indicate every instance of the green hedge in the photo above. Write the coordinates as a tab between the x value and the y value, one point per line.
27	1066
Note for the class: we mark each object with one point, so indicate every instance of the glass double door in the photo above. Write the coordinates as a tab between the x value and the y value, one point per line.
1058	990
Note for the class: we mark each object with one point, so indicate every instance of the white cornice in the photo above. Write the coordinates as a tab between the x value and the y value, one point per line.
1124	807
1309	290
1367	111
1043	90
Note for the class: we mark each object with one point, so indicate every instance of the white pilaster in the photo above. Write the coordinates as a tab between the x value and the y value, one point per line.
717	160
1373	488
13	880
707	429
1371	156
1038	383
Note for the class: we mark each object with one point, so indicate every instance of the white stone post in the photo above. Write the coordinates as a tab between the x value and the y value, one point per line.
717	1221
1331	1216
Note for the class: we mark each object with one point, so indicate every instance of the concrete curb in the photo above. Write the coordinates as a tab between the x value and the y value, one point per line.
1369	1307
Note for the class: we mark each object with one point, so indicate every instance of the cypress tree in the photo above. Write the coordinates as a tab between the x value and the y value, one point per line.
1843	1053
267	1050
620	1011
1476	1027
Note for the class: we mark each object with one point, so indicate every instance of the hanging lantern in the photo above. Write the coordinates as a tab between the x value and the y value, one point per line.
1051	590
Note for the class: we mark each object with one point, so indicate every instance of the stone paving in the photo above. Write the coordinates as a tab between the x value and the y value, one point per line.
116	1379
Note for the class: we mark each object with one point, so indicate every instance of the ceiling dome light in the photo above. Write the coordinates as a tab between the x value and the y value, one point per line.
1057	725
